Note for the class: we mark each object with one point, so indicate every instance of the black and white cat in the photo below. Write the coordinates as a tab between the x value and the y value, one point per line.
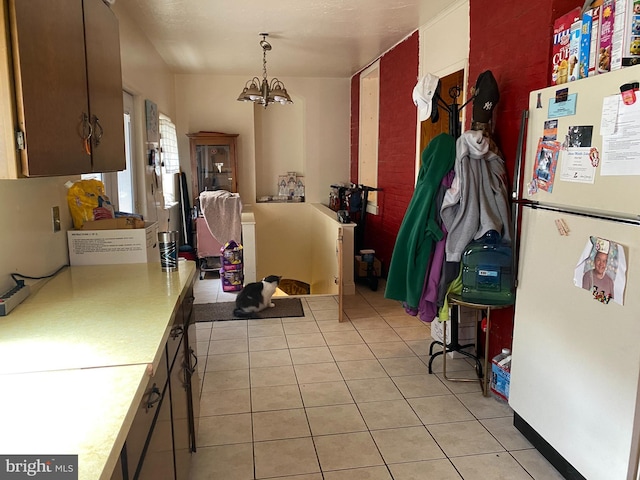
256	296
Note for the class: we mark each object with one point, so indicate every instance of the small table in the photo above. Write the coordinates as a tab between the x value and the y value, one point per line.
483	374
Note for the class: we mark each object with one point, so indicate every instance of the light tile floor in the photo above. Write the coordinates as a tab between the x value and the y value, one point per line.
310	399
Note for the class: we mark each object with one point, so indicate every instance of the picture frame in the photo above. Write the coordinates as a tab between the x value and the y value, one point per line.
153	129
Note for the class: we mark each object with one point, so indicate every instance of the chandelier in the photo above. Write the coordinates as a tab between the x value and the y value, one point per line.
265	92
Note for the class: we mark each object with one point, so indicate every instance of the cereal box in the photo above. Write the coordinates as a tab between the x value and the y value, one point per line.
585	45
560	48
594	14
574	50
631	46
621	24
605	44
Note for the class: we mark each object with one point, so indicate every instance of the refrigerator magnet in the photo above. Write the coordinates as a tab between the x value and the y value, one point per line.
563	228
594	156
601	270
628	93
563	109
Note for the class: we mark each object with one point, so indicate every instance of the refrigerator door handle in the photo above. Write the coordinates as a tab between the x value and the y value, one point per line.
599	215
515	195
520	158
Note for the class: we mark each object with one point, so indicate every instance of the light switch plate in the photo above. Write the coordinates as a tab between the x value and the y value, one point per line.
55	216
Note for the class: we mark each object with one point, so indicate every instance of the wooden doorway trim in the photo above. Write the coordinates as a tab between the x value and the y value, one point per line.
429	130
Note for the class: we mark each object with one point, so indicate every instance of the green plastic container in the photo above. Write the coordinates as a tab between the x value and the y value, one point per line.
487	276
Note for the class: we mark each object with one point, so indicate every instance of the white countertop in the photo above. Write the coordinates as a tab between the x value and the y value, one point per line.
93	316
71	412
75	358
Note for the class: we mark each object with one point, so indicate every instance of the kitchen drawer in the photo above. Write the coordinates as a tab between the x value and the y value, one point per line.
145	415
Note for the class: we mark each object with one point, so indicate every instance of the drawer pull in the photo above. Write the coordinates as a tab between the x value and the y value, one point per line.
192	354
176	331
154	397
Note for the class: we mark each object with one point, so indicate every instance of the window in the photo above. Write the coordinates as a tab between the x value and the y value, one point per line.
125	181
368	141
170	159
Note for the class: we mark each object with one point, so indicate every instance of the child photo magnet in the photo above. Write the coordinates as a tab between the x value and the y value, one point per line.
602	270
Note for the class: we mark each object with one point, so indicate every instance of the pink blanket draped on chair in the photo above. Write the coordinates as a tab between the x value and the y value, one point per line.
222	212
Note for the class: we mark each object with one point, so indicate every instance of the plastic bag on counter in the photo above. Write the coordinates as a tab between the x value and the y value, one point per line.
88	201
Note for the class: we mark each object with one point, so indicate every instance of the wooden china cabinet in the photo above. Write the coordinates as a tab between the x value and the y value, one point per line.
213	161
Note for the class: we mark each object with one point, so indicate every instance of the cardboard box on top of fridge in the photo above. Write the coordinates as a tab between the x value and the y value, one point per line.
466	330
124	245
113	223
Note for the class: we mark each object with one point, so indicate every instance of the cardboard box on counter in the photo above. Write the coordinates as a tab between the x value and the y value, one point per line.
113	223
124	245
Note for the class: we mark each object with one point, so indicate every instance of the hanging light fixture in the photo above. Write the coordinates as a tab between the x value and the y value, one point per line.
264	92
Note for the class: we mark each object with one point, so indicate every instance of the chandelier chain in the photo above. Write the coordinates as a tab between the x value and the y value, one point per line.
264	63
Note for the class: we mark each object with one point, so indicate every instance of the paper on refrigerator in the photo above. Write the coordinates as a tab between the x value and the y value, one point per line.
620	145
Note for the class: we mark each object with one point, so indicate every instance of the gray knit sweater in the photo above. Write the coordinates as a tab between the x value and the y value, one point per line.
478	199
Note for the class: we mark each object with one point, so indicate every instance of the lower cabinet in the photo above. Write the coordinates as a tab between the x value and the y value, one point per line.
157	460
143	426
162	437
180	413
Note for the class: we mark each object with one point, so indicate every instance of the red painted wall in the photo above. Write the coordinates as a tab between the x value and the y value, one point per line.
396	145
513	40
517	50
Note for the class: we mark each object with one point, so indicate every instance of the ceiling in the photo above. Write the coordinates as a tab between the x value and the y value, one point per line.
310	38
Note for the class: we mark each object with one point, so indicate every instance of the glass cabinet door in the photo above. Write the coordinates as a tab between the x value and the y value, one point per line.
213	162
214	167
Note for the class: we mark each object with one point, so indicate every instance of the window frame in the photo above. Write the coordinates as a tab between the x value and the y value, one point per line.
368	132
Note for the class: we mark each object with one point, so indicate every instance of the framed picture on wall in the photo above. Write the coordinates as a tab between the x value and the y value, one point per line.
153	130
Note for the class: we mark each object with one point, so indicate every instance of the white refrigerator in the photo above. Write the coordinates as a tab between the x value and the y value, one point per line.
576	352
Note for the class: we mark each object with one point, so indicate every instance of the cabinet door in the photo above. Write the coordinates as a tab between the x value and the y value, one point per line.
51	85
104	77
157	462
214	167
118	471
180	415
213	162
194	383
143	422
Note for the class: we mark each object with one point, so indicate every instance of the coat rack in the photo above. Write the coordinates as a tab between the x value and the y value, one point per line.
453	109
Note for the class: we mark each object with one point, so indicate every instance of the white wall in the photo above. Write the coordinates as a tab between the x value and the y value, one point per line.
452	24
28	244
145	76
310	137
208	103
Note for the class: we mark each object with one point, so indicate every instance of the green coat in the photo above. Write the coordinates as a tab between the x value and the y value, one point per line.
420	228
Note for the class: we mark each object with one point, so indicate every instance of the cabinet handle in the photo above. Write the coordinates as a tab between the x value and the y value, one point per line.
98	131
195	357
86	133
154	397
192	368
176	332
186	375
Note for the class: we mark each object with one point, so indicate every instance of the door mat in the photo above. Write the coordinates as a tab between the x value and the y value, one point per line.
217	312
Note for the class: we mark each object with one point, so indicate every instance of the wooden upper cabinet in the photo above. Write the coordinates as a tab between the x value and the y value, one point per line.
104	77
68	82
214	165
